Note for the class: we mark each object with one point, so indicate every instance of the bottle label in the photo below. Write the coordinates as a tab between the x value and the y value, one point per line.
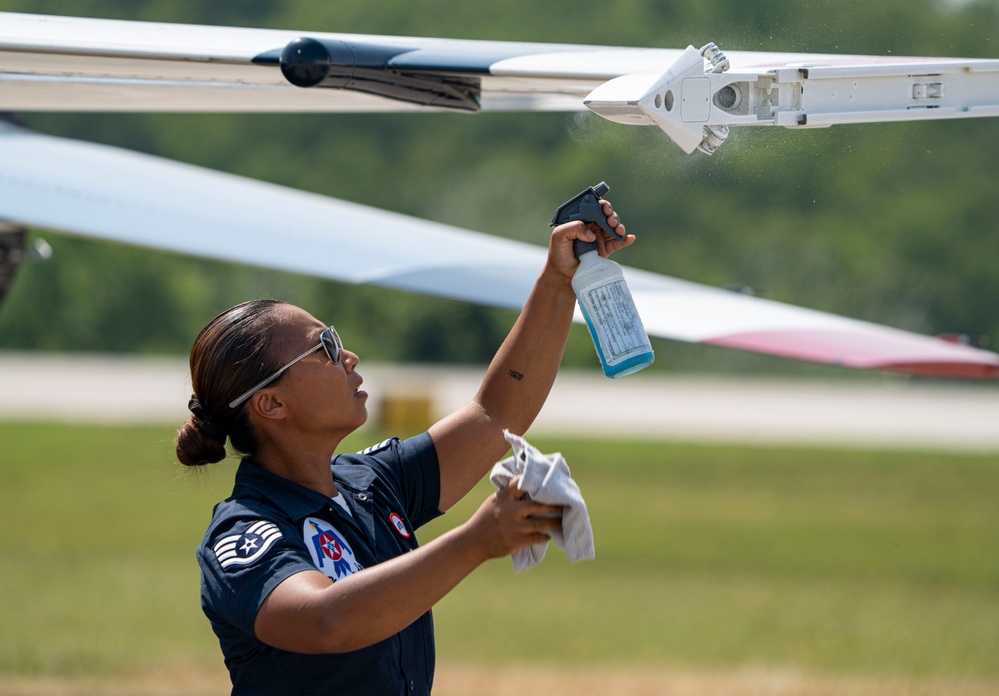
614	318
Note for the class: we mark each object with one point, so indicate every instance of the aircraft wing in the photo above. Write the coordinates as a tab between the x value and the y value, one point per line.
50	63
113	194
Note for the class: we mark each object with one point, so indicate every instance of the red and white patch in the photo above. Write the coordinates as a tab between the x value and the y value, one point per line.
329	549
399	525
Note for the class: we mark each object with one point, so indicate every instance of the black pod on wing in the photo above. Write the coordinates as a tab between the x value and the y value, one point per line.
369	68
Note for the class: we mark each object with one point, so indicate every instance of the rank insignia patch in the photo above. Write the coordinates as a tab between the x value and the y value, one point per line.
375	449
245	548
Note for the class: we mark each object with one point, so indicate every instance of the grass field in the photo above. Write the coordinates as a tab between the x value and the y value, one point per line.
719	570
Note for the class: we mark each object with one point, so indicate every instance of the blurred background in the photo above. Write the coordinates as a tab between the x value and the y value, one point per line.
770	565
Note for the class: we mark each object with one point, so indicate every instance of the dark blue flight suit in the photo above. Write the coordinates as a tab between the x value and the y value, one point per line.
271	528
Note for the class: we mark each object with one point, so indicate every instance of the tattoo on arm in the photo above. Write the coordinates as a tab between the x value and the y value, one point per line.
516	375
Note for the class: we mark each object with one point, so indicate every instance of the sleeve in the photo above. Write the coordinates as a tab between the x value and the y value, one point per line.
242	561
411	467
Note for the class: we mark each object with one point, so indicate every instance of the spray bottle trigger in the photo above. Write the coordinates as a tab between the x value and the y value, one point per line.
586	206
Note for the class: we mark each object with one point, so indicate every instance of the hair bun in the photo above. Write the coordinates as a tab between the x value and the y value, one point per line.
204	422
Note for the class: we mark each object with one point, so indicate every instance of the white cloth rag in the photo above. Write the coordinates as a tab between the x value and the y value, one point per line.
546	480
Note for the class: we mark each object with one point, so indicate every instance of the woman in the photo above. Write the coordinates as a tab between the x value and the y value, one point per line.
313	582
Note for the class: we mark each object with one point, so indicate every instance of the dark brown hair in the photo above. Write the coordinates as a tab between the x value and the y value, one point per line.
229	356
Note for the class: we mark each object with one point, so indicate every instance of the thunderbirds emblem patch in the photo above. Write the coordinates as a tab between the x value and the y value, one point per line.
245	548
330	551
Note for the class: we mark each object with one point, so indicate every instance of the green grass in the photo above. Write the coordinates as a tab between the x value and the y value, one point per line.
846	562
707	557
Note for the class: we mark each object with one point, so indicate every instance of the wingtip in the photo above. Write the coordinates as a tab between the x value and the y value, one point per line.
875	349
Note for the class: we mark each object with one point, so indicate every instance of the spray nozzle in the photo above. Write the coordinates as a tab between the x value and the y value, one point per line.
585	206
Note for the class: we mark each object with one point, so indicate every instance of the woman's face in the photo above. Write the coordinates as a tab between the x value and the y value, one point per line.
319	395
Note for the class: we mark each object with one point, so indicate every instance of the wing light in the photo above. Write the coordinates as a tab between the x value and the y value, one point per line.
695	107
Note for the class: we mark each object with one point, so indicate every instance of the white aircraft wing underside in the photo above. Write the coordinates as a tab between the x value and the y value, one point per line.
112	194
52	63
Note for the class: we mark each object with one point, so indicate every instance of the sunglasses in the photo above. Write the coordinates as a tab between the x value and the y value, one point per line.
328	340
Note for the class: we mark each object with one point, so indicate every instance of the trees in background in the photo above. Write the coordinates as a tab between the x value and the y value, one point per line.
895	223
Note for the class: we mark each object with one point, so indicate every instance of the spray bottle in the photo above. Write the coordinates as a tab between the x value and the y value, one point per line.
604	298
